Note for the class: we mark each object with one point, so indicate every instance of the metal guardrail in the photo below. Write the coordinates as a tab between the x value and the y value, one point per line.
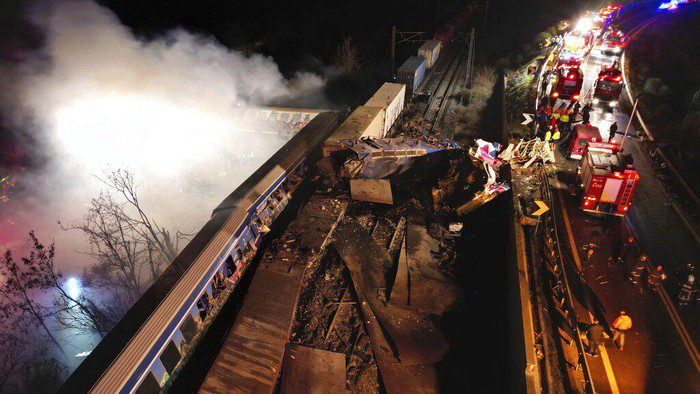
570	315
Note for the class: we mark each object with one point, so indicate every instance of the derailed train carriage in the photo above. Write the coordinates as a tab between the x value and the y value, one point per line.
150	344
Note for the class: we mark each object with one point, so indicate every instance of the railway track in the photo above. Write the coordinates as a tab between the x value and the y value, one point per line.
436	107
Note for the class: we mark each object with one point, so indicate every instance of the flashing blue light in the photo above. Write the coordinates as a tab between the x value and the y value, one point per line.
672	5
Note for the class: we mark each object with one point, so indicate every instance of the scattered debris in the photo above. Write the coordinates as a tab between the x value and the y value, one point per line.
309	370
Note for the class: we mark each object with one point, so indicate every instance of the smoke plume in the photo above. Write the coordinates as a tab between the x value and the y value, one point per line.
96	98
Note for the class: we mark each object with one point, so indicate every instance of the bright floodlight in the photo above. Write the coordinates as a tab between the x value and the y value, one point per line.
73	287
584	24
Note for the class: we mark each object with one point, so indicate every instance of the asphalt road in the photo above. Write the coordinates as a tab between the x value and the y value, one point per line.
656	357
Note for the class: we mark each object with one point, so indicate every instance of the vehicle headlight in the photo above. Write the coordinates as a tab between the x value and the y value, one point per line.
596	101
613	103
616	49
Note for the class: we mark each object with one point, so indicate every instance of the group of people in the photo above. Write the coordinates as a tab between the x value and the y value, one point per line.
595	332
550	125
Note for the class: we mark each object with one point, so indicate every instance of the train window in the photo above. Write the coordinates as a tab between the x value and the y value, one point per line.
149	385
188	328
230	266
203	305
170	357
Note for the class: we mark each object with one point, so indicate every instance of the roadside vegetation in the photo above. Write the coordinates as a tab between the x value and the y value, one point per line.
663	65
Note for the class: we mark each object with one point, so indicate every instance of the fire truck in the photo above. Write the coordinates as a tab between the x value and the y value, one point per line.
567	83
607	179
613	43
608	86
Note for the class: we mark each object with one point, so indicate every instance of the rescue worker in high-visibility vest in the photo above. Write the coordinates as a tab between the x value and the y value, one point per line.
621	324
656	276
555	138
636	272
685	294
626	248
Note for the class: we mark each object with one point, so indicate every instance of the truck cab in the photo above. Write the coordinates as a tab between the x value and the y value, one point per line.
608	86
579	139
567	84
607	179
613	43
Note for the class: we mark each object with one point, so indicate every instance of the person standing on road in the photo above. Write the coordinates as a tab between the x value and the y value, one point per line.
621	324
656	276
636	272
565	121
594	333
574	114
685	293
613	130
626	248
586	113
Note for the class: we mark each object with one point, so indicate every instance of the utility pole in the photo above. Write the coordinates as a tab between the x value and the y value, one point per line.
470	67
393	50
629	123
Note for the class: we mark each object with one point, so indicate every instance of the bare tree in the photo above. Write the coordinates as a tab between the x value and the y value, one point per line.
347	56
36	275
12	359
130	248
18	305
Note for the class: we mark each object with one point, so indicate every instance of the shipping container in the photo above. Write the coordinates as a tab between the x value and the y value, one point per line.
411	73
430	51
363	122
390	97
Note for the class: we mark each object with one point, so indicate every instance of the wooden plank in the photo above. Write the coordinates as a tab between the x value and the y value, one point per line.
309	370
251	357
372	190
400	295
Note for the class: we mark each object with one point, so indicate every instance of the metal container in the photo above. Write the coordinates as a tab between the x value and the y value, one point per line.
411	73
430	51
391	98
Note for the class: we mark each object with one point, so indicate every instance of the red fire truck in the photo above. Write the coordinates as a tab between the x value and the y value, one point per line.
613	43
608	86
608	180
567	84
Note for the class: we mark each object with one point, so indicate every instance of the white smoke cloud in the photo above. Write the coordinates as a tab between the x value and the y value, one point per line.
97	98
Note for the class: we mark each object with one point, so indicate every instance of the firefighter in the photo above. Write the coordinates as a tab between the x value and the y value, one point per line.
555	139
586	113
613	130
656	276
636	272
565	121
685	293
626	248
621	324
576	109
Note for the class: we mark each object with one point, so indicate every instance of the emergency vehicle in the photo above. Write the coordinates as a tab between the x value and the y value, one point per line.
608	87
613	43
607	179
566	84
568	60
579	138
577	41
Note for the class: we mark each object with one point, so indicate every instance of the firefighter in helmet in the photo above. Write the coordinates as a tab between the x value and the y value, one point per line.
656	276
